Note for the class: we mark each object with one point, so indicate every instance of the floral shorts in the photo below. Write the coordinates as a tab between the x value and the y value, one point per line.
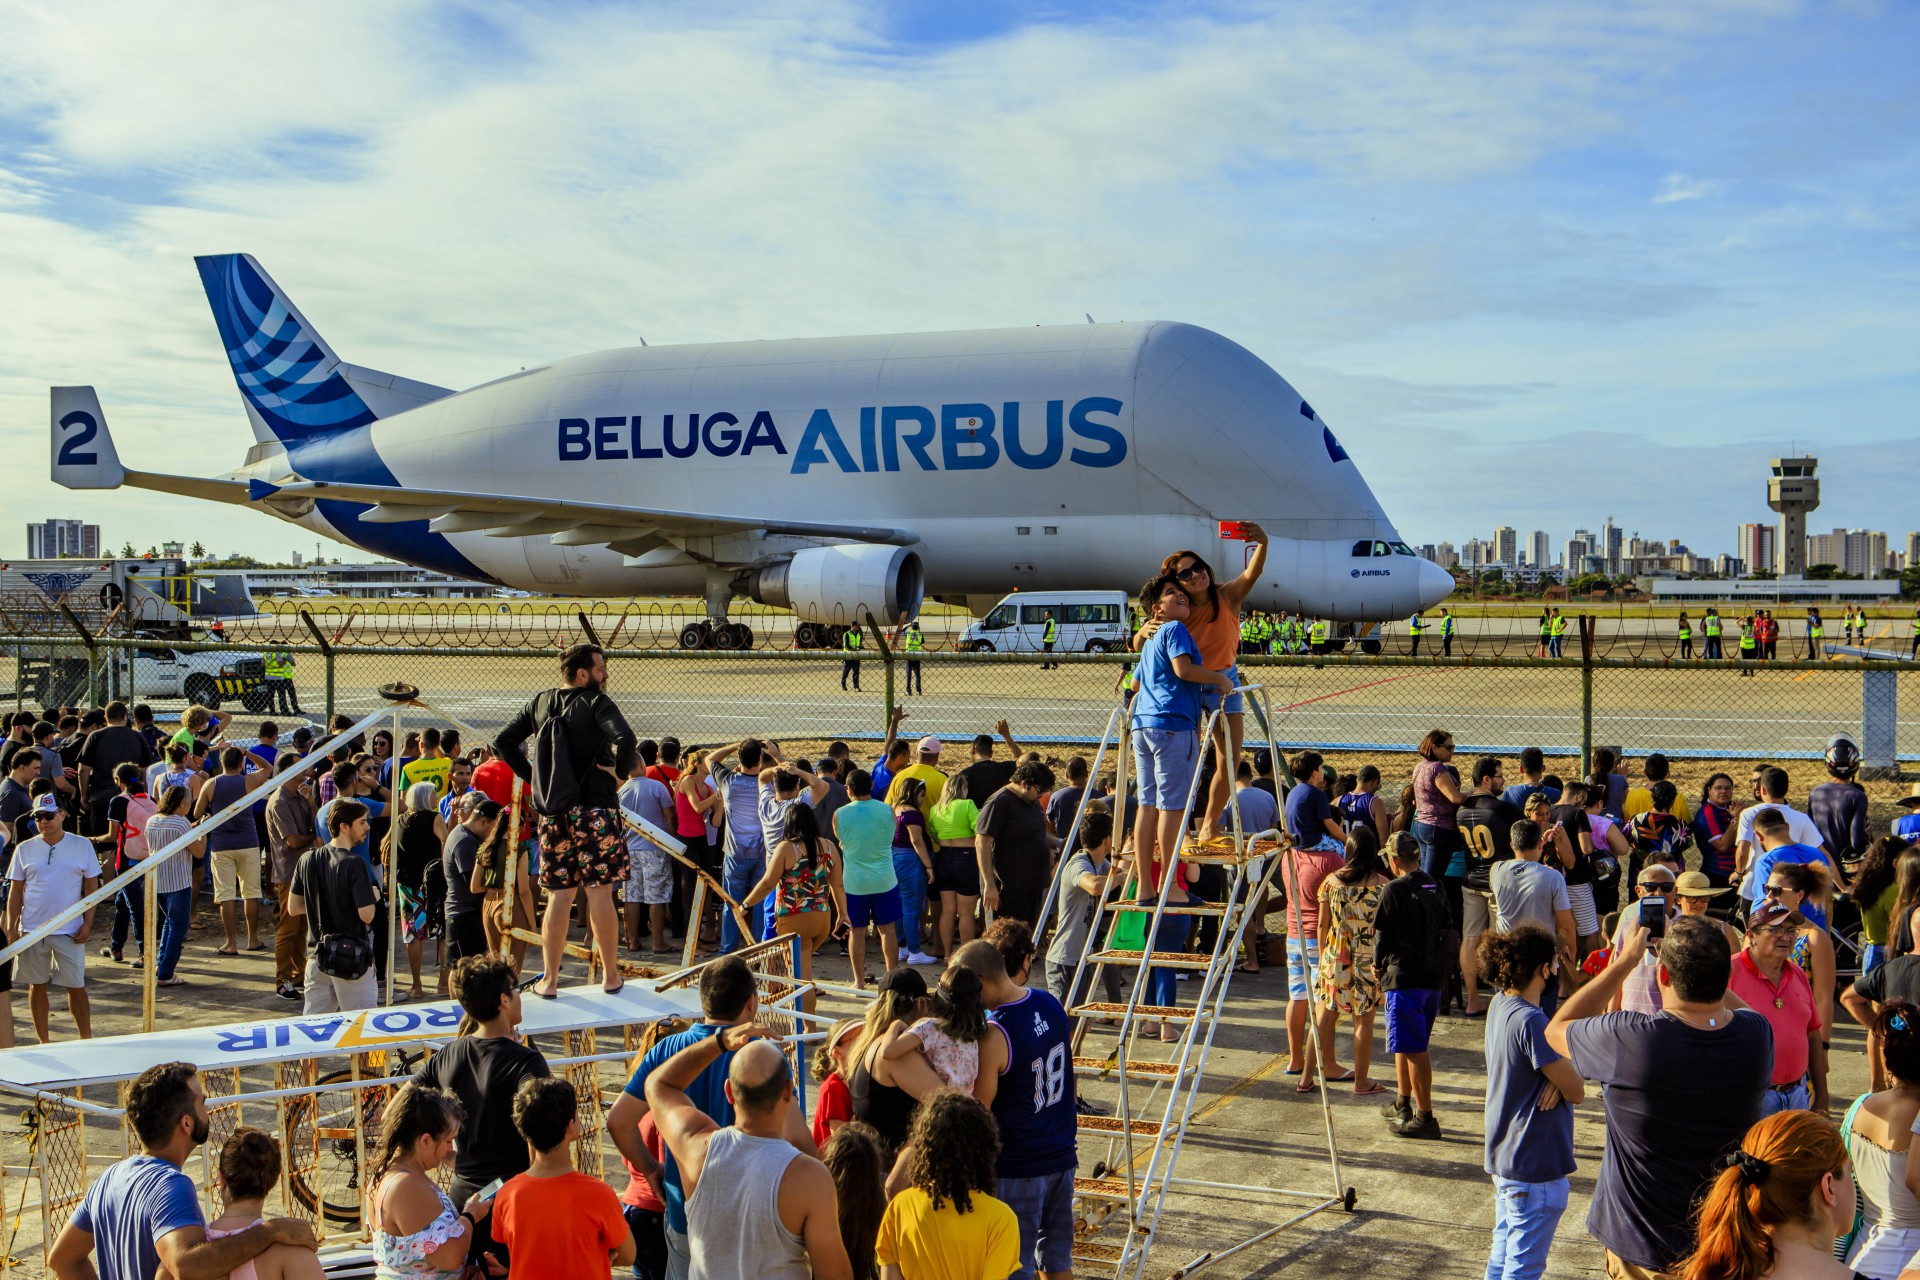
582	848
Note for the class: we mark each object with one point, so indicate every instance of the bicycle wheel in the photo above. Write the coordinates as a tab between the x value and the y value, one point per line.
322	1149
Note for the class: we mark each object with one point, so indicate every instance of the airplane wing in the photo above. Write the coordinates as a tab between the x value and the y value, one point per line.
570	523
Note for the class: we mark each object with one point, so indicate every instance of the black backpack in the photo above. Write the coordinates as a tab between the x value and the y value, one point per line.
556	788
1441	950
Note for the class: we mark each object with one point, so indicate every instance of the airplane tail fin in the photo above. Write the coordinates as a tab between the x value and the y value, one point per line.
293	383
83	452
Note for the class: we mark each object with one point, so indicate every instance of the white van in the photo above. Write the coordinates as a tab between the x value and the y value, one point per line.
1088	621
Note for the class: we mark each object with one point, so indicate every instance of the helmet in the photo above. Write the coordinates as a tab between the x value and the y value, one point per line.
1843	757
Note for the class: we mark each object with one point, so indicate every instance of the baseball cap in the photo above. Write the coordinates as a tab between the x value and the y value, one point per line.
1694	884
906	982
48	803
929	746
1911	800
1770	912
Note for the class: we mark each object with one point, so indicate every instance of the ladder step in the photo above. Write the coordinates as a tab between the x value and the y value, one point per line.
1102	1068
1088	1251
1151	1012
1161	959
1146	908
1103	1188
1113	1124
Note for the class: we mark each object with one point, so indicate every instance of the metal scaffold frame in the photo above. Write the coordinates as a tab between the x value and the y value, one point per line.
1174	1083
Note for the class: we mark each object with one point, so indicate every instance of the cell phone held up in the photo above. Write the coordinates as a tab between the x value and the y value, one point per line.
1234	530
1653	916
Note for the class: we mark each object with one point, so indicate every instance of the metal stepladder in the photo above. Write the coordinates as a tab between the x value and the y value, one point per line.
1159	1095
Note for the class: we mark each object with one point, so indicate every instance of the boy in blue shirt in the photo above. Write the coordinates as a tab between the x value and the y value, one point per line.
1166	722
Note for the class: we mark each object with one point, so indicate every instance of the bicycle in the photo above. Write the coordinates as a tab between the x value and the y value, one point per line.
323	1157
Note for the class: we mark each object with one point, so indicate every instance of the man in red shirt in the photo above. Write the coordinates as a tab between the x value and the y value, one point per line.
1765	976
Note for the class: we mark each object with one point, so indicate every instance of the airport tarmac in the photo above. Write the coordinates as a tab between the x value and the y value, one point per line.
1423	1208
1353	706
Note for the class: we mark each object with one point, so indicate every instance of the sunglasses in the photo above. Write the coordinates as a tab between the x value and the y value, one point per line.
1775	890
46	817
1191	571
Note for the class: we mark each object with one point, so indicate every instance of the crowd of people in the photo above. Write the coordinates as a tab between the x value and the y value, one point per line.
1684	953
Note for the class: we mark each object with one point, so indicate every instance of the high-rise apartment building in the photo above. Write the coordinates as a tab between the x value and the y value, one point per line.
1539	550
1758	546
55	539
1506	545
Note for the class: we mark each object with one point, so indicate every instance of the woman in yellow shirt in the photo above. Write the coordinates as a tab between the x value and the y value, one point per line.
945	1226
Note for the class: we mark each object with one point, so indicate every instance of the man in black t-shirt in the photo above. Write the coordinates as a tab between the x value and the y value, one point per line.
1571	815
1014	844
334	887
484	1071
16	798
106	749
987	775
1486	822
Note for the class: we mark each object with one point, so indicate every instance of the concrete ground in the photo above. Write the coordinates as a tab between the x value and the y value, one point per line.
1423	1208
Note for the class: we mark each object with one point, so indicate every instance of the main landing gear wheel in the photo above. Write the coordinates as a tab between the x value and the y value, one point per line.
807	636
733	635
697	635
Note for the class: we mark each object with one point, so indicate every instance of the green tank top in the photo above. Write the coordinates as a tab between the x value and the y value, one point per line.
954	820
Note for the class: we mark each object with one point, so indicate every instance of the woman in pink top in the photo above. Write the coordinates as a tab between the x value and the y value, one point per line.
249	1171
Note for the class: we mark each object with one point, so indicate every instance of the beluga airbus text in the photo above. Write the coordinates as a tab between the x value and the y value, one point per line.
835	476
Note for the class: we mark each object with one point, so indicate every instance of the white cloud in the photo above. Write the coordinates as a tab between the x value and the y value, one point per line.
1676	187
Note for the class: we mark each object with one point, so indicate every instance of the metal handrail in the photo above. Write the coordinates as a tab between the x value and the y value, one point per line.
151	863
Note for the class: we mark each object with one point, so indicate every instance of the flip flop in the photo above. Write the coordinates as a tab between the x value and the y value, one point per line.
1306	1086
1345	1077
614	991
1372	1087
222	951
1294	1071
545	995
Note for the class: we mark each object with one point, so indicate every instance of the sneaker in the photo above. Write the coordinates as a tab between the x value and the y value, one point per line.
287	990
1399	1111
921	957
1082	1107
1420	1124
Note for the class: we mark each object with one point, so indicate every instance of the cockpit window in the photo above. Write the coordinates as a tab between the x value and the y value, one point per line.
1334	451
1380	549
1402	549
1364	547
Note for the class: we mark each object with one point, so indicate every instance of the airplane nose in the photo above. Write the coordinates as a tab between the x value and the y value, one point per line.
1435	584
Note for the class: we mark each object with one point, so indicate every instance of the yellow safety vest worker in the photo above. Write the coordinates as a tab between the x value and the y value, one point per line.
1746	635
915	641
1546	626
1446	624
852	640
279	667
1712	623
1050	632
1559	624
1319	631
1415	627
1816	628
1686	629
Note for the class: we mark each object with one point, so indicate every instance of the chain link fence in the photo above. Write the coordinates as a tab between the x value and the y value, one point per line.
1344	702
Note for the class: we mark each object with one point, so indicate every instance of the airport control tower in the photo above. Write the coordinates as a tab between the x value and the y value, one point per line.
1793	491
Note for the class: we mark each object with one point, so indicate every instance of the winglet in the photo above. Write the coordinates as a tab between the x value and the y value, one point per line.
258	489
83	452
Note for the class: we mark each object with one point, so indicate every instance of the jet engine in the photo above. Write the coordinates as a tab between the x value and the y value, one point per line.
839	586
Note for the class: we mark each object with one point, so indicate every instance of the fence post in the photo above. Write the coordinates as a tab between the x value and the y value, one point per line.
86	638
326	655
1586	689
886	661
592	637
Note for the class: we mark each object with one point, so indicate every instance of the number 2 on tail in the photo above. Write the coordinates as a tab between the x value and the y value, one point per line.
70	451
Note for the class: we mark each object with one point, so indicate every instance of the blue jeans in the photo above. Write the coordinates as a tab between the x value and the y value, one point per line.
739	875
130	917
912	882
1778	1098
174	910
1436	847
1525	1216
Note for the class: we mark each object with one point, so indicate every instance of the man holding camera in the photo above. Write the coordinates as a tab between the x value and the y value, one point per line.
1654	909
1765	976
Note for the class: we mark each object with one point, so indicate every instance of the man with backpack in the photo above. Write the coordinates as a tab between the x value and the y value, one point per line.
583	750
1412	954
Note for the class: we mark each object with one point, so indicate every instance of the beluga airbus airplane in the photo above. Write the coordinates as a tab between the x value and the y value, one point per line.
838	477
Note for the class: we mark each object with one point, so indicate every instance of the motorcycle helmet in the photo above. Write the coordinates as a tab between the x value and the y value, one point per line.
1843	757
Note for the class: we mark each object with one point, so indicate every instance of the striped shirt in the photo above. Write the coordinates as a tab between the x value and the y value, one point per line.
176	873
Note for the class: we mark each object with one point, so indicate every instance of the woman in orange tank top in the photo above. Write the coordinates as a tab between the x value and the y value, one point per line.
1215	624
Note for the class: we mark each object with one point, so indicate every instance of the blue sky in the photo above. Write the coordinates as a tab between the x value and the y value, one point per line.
1537	264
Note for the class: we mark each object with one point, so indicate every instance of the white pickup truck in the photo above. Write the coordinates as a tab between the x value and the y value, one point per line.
56	675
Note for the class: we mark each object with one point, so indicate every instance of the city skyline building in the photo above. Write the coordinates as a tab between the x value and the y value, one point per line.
63	539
